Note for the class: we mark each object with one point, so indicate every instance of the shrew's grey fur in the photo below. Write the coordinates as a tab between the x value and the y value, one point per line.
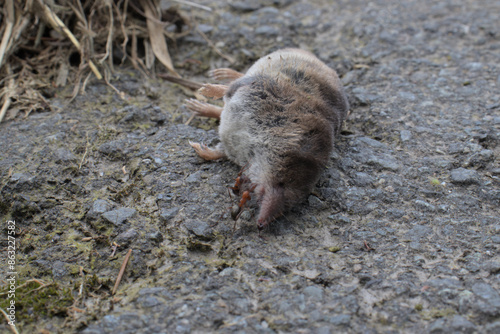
279	120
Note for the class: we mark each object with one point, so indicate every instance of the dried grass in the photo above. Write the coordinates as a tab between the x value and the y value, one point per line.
40	40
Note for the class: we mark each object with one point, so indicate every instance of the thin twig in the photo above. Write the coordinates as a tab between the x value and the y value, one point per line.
12	327
57	24
80	291
8	92
147	15
42	284
10	17
122	270
109	42
122	26
5	107
42	287
192	4
184	82
212	45
84	153
122	95
190	119
84	85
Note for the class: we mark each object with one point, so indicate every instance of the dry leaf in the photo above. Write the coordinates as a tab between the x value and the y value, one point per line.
157	37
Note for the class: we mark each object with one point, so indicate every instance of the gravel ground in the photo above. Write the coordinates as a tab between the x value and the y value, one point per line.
401	234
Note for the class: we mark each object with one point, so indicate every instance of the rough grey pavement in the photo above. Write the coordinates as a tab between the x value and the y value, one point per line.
401	234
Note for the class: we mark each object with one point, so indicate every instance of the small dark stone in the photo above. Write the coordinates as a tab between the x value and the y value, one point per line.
330	195
489	299
492	267
480	159
235	211
363	97
168	214
405	135
464	176
156	236
119	215
493	106
423	205
205	28
199	228
462	325
99	207
245	6
474	66
148	301
362	179
267	31
316	203
384	162
456	148
113	149
127	237
157	291
340	320
323	330
63	155
493	328
340	219
442	283
164	199
371	142
194	178
314	293
438	327
408	96
21	178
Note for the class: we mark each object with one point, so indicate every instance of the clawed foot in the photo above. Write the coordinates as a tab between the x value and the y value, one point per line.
222	74
203	109
213	91
206	152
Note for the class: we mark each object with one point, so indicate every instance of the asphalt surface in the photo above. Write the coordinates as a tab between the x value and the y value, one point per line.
400	235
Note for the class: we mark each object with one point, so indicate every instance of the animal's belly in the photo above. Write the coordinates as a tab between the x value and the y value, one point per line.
239	143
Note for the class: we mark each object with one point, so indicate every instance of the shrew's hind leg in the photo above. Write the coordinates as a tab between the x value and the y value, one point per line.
206	152
213	91
203	109
222	74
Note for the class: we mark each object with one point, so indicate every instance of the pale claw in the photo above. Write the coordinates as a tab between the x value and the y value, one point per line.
203	109
222	74
213	91
206	152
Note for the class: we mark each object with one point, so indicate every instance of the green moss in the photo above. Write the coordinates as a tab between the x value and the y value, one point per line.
435	182
73	269
195	245
261	273
437	313
334	249
36	302
142	126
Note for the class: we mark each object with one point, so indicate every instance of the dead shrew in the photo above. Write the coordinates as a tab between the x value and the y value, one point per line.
279	120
